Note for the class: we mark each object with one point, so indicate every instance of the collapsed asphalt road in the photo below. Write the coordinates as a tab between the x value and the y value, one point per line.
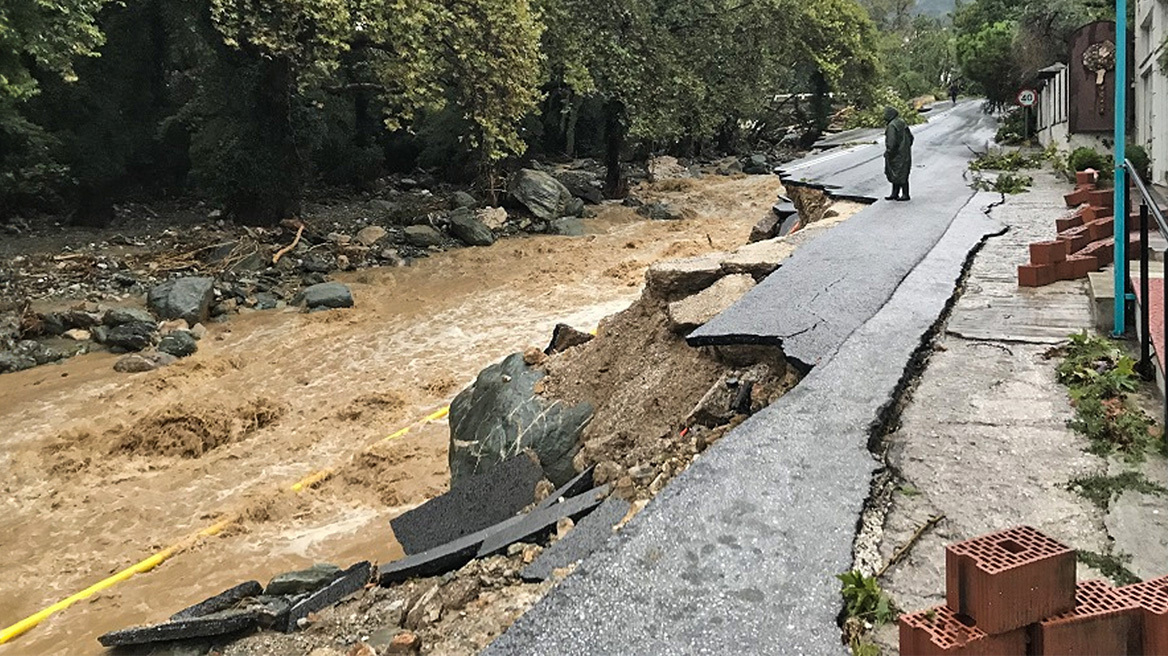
834	284
739	554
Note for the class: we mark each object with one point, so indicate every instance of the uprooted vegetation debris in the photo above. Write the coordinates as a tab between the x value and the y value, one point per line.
1101	377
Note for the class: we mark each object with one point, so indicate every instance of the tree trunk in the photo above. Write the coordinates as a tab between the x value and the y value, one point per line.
615	135
280	199
820	103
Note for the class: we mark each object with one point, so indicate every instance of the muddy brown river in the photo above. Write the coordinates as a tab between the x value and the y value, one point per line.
93	481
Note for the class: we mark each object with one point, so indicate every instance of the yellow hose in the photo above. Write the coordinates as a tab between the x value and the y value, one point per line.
157	559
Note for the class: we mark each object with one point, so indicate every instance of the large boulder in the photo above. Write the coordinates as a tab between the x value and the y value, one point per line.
697	310
463	199
184	298
567	227
540	193
500	415
585	185
470	230
327	295
661	211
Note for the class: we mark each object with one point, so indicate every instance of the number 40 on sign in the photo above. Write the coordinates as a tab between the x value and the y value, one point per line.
1027	97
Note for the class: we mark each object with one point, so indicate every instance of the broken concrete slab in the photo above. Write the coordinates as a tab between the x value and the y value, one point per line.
760	259
229	598
694	311
302	581
577	486
344	584
478	502
676	279
541	521
592	531
439	560
215	624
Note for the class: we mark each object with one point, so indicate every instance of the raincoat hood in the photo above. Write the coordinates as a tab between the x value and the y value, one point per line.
890	114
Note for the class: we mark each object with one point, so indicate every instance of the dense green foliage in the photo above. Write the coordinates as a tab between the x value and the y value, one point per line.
248	102
1002	44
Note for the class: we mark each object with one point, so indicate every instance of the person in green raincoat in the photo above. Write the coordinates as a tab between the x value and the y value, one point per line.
898	142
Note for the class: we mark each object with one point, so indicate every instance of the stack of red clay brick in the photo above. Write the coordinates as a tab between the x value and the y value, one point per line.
1014	593
1086	238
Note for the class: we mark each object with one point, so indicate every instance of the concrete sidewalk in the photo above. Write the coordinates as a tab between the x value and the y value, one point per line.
984	439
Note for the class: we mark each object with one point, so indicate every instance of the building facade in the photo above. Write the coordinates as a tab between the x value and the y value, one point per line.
1151	85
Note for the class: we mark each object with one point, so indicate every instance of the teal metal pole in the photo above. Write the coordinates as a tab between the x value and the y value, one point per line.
1120	169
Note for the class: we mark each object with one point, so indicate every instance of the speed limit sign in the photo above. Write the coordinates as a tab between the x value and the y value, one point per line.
1027	97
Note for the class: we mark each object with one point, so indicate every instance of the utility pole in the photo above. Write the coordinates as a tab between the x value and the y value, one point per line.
1120	169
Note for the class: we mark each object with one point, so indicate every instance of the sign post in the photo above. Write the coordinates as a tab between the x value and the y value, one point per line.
1027	98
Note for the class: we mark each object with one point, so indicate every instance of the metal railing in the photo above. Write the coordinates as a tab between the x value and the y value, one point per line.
1149	208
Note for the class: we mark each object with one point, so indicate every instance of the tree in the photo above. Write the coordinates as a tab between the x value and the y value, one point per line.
49	35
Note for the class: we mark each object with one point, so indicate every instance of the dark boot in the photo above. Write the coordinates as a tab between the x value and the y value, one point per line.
895	193
904	192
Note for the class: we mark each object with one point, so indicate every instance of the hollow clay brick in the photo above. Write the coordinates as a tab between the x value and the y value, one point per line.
1036	275
1085	178
940	631
1048	252
1009	579
1152	598
1101	198
1103	622
1076	198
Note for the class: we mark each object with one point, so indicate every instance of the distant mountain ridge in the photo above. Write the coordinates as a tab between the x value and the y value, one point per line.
935	7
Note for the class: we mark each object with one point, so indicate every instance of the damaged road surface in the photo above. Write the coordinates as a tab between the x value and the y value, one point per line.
835	283
739	554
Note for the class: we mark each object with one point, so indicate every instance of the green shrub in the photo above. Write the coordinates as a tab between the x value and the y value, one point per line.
1138	156
864	599
1084	158
1012	130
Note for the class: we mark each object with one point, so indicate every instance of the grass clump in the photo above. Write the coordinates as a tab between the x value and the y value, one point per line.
1100	377
1100	489
1111	565
864	600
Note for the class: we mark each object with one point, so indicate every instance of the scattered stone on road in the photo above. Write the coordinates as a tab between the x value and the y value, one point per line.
327	296
689	313
302	580
184	298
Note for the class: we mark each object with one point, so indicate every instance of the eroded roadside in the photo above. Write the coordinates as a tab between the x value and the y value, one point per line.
93	488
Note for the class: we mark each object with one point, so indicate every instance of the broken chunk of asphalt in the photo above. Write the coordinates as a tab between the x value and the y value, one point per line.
592	532
346	583
215	624
542	521
454	555
579	485
479	502
229	598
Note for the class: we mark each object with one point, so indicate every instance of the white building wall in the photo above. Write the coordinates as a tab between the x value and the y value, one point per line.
1151	85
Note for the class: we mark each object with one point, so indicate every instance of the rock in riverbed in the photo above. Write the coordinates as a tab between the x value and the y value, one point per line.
184	298
327	295
179	343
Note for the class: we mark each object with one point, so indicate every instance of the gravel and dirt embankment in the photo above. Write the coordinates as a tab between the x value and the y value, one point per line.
102	468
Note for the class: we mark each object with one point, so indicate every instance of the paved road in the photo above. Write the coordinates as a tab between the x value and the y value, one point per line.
834	284
738	554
